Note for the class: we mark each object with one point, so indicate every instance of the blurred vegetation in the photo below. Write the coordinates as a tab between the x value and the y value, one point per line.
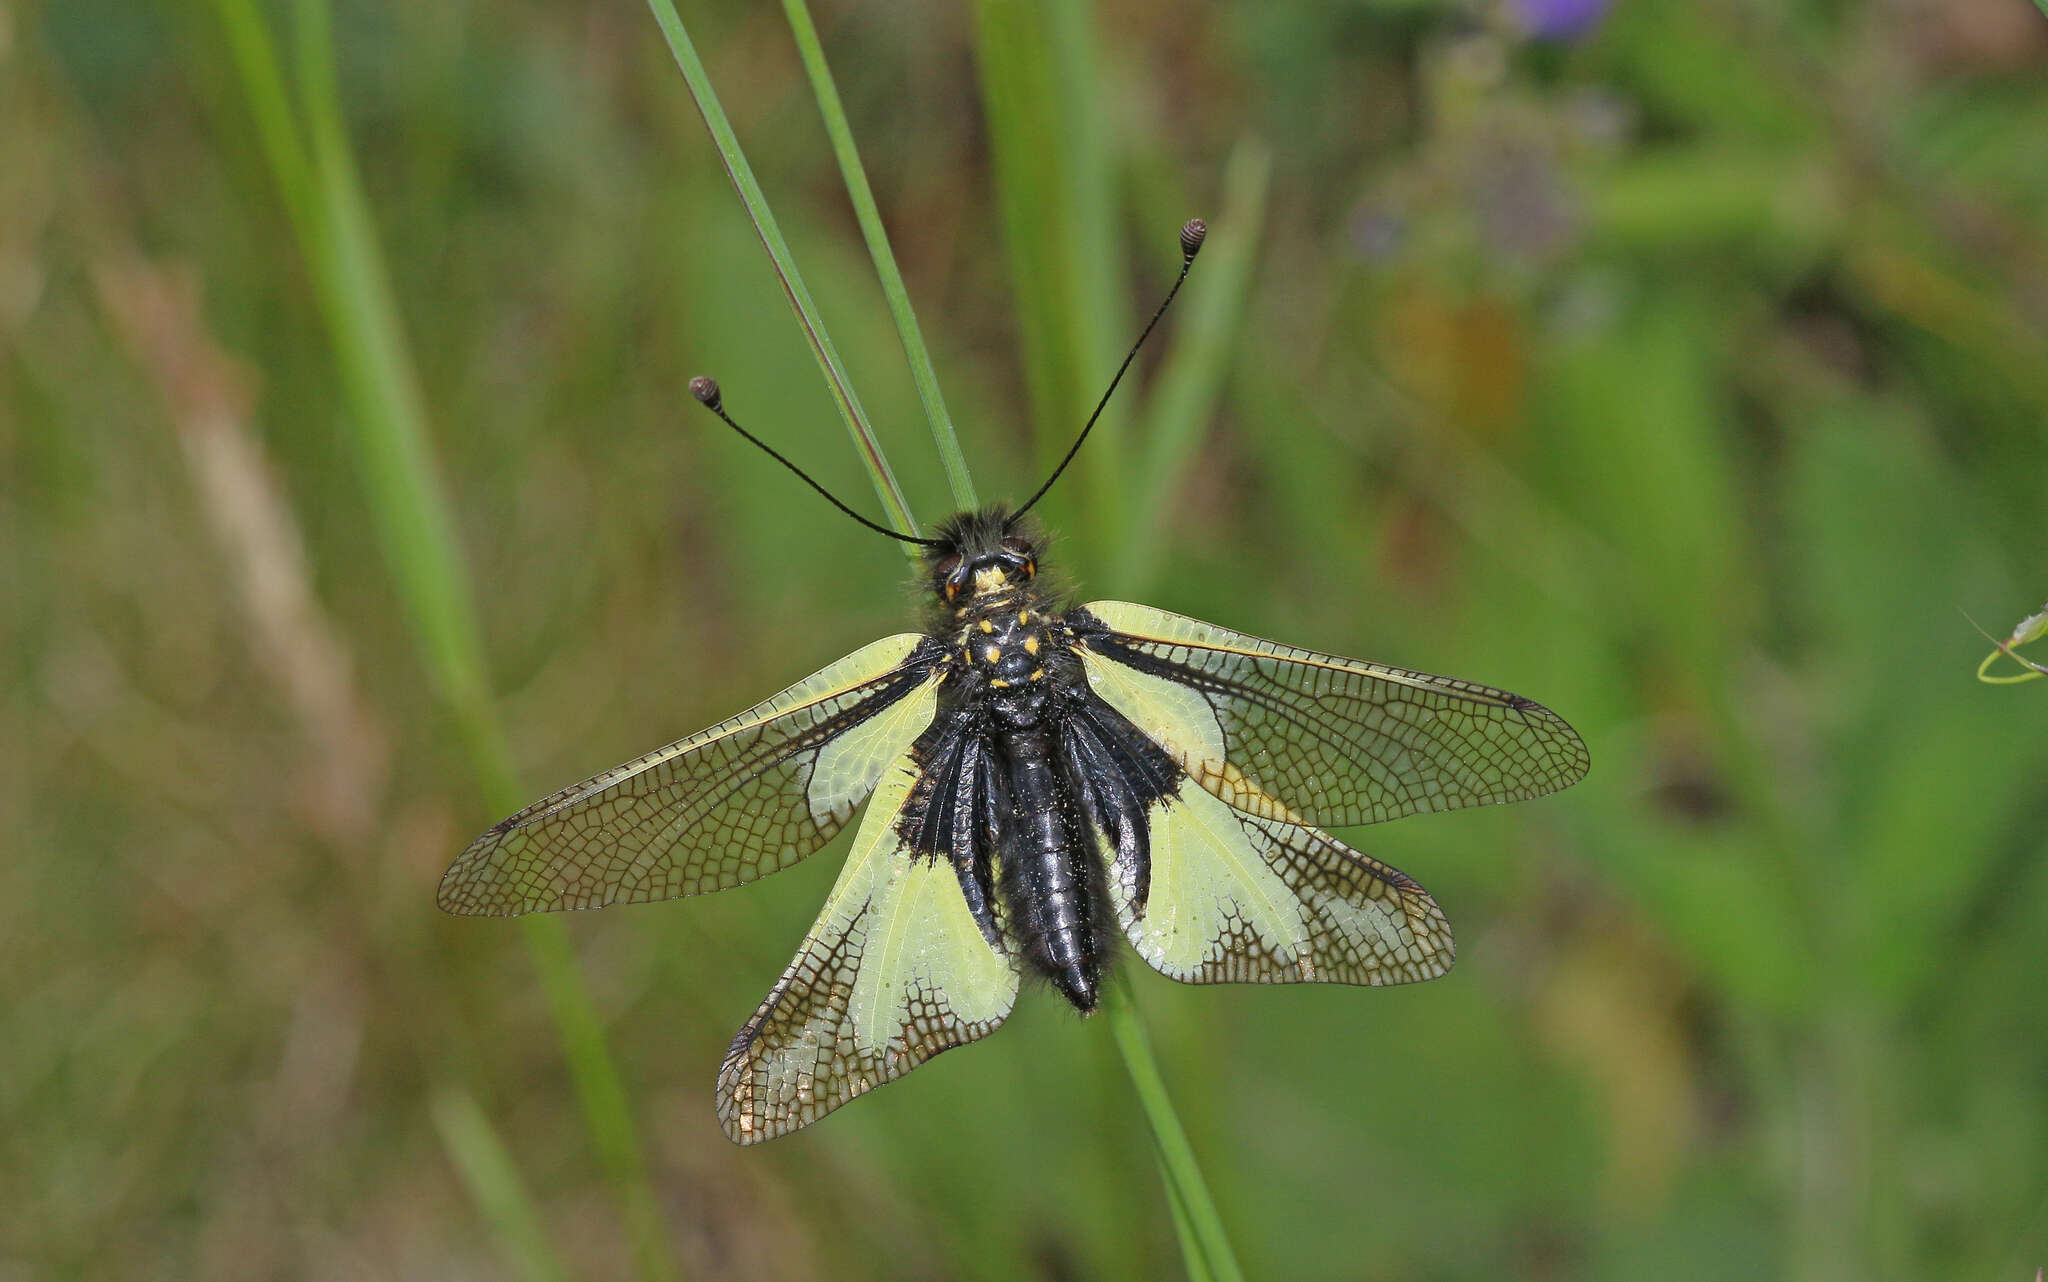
1682	365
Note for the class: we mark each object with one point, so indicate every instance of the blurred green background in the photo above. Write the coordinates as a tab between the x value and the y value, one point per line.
1683	365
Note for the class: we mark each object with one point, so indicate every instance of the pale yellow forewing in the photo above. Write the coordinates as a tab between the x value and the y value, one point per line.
1234	898
1308	738
745	798
895	970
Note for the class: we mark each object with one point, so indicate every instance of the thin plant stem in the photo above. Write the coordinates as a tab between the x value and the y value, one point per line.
2029	629
494	1184
1042	100
1190	1246
877	237
1054	179
1181	403
1015	81
1098	269
257	63
323	199
1210	1257
1187	1190
389	419
742	175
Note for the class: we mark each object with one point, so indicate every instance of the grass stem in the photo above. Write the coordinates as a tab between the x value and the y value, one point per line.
1180	406
877	236
315	172
1042	100
494	1184
742	175
1055	180
1191	1252
1187	1192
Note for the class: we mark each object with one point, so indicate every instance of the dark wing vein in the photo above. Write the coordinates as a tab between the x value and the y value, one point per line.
1361	921
1313	738
725	806
1211	894
899	966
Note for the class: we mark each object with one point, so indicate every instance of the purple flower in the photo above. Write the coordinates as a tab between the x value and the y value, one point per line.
1378	230
1558	19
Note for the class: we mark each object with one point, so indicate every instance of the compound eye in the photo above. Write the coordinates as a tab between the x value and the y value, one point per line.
1021	558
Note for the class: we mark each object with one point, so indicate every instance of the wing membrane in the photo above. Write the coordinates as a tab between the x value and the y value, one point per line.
897	968
1239	899
745	798
1307	738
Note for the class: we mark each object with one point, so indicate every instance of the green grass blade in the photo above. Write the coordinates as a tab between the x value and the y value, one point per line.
412	522
600	1091
316	173
277	127
742	175
877	236
1041	97
1186	1189
1015	77
1182	402
1098	270
1040	94
493	1181
1184	1229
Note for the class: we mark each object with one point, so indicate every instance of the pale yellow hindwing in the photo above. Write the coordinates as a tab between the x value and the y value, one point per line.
1185	724
847	769
894	971
1175	714
1237	898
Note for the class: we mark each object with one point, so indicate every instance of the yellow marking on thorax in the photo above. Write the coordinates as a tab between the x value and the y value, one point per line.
986	626
1031	645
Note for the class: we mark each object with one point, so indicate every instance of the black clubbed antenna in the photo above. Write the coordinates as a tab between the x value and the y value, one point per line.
1191	234
706	390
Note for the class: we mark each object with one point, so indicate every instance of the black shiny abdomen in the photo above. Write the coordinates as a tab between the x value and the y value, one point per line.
1015	682
1052	886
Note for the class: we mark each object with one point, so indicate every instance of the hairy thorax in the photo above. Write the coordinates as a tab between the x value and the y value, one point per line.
1010	648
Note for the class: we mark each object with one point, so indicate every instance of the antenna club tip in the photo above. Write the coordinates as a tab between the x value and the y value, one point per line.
1191	234
705	389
